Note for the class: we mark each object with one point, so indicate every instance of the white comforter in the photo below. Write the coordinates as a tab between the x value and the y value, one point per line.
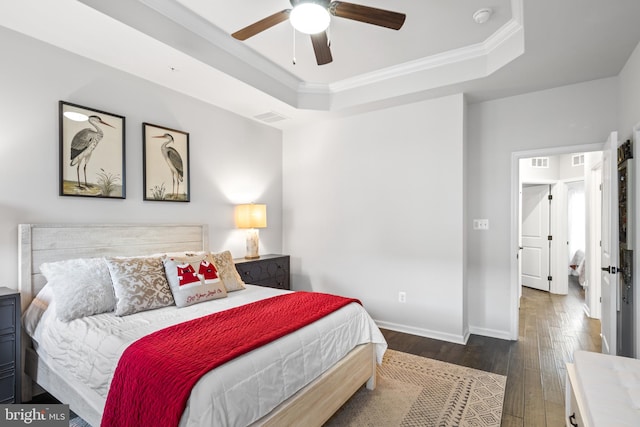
235	394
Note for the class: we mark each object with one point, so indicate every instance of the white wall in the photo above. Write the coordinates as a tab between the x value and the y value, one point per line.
571	115
232	159
560	168
567	170
373	205
629	95
629	117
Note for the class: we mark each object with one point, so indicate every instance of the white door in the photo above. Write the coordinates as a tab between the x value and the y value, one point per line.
535	236
609	244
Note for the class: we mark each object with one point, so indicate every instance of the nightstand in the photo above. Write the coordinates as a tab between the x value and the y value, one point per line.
10	390
268	270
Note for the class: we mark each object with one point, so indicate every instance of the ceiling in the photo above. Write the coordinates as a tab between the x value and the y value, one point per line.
185	45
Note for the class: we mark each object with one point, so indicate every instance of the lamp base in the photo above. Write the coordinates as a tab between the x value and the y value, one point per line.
253	242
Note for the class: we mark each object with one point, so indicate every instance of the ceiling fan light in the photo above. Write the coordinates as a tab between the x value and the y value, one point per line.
310	18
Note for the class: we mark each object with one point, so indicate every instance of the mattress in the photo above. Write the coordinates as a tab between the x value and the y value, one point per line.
235	394
611	386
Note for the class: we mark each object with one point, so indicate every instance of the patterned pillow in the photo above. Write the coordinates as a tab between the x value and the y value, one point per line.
139	284
227	271
81	287
193	280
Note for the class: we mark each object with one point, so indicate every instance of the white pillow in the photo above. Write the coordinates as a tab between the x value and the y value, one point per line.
81	287
36	309
193	280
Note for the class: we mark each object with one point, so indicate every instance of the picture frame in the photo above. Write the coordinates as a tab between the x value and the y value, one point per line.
91	152
165	154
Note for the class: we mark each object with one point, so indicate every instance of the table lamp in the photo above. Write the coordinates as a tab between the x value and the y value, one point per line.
251	217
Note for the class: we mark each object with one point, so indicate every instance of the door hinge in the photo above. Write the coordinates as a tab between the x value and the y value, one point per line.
549	278
550	197
600	299
549	237
600	187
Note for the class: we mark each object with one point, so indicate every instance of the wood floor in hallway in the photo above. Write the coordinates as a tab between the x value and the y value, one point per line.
552	327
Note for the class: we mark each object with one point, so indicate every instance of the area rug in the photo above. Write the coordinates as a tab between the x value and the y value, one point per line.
415	391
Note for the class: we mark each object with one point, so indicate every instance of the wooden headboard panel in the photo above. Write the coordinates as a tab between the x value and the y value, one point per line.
40	243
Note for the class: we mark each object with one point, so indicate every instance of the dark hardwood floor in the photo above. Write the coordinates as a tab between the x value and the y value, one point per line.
552	327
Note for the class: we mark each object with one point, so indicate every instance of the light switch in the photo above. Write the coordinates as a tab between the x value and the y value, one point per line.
480	224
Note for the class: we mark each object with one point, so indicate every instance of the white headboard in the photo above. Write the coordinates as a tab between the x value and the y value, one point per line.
40	243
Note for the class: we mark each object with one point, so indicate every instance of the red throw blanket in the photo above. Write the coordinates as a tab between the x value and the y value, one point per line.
155	374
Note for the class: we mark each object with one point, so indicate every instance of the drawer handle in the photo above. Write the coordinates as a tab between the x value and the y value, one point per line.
572	420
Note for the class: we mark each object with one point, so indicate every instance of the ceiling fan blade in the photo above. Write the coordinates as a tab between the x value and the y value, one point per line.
370	15
321	48
263	24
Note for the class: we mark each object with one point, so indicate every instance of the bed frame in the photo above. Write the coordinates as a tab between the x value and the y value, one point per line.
38	243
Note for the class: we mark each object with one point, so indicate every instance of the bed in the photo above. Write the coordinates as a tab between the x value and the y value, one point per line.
320	393
577	266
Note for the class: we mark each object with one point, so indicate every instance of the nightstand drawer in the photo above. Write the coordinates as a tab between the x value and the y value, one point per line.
270	270
260	270
273	282
7	315
7	352
7	387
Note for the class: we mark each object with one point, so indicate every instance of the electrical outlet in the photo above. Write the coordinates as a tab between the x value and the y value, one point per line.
480	224
402	297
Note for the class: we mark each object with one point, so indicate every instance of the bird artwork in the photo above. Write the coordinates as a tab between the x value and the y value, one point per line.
174	161
83	144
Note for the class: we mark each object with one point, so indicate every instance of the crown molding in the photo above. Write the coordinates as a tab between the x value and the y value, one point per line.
500	37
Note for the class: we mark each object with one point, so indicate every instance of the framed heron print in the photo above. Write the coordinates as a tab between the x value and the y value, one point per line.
166	164
92	155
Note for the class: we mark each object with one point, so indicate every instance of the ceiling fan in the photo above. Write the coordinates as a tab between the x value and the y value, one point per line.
312	17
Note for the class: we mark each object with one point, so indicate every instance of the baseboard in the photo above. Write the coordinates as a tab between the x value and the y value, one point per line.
492	333
458	339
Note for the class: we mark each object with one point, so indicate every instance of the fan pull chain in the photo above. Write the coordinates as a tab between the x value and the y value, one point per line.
294	45
328	31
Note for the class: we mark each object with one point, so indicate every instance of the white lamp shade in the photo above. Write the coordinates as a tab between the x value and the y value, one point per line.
251	216
310	18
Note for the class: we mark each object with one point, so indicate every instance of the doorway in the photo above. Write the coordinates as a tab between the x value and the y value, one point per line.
553	222
558	261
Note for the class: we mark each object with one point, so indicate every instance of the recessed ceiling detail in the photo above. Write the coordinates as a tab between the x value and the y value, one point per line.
440	47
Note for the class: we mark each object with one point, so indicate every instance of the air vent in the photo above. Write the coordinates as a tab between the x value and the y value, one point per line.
270	117
577	160
540	162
